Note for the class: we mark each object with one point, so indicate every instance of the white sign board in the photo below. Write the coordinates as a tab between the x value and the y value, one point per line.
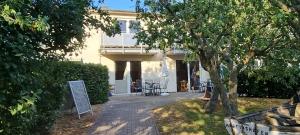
80	97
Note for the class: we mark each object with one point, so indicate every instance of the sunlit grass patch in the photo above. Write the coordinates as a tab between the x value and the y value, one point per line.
188	117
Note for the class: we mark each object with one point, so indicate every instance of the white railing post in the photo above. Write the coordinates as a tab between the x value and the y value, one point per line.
189	76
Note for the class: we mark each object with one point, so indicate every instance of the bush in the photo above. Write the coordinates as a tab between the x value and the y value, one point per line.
31	104
94	76
259	83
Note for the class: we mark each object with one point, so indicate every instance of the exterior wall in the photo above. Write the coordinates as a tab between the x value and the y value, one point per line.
172	84
111	65
150	67
90	52
152	70
204	75
151	64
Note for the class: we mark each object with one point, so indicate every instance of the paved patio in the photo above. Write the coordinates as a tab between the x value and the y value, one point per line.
131	115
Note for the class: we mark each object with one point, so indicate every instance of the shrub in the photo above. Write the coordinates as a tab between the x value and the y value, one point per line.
259	83
94	76
31	104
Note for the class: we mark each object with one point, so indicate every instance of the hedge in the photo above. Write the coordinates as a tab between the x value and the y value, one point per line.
259	85
40	95
94	76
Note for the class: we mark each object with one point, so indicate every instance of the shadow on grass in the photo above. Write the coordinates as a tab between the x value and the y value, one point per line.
189	117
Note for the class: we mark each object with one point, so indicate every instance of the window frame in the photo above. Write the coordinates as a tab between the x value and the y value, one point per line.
120	22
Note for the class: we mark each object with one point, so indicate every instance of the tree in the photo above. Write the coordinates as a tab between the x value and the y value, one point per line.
38	30
232	32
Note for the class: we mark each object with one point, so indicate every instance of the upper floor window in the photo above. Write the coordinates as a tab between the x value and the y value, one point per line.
122	24
134	26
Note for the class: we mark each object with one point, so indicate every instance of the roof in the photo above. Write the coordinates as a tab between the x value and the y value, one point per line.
118	12
122	12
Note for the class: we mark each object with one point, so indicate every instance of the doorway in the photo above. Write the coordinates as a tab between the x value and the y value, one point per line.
182	76
135	73
120	69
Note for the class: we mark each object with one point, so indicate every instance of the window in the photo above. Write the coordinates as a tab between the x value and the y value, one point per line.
122	24
134	26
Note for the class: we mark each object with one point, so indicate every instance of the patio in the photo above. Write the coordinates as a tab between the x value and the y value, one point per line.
124	115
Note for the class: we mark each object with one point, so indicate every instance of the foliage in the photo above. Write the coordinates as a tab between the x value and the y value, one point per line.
39	30
229	32
54	85
94	76
262	82
36	114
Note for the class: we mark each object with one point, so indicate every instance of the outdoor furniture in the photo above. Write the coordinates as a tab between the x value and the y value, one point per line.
148	88
163	86
156	86
137	86
183	86
152	87
208	88
202	86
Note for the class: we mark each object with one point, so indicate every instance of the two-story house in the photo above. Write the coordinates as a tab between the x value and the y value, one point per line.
124	58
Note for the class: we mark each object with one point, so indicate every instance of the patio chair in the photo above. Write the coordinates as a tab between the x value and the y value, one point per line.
208	91
210	86
163	86
148	88
138	86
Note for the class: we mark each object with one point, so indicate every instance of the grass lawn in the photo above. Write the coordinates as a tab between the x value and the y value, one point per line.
188	116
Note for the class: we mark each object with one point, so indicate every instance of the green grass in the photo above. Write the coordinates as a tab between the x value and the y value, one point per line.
188	117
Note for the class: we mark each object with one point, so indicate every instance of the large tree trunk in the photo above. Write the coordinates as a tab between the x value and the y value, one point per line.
219	90
232	84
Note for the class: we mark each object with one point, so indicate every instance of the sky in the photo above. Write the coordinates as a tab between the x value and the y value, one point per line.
120	4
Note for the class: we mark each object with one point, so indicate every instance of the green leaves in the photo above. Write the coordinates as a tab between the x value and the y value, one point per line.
12	17
37	31
231	27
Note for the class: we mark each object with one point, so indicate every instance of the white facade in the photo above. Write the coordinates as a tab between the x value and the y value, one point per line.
101	49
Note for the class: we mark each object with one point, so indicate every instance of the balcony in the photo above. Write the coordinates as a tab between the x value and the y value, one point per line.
125	43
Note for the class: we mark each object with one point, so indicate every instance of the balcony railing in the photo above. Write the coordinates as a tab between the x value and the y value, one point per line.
126	43
123	40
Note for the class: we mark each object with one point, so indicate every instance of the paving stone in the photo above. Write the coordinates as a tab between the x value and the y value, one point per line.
131	115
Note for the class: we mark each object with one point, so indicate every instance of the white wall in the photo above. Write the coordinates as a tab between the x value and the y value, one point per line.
204	75
172	84
152	70
90	52
111	65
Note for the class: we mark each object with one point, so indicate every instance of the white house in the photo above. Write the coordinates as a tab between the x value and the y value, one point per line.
128	62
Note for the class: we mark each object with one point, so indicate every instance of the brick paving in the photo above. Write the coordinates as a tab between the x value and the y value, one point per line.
131	115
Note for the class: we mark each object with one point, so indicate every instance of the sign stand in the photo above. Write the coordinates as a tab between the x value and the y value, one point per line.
80	97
